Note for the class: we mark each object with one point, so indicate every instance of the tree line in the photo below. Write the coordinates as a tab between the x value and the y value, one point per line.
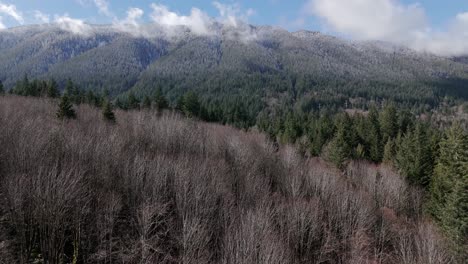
188	103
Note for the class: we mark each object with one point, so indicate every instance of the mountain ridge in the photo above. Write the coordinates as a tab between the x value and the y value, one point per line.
120	60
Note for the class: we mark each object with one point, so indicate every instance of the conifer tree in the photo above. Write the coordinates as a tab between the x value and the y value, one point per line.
414	157
291	129
338	149
107	111
321	131
69	87
389	151
388	122
2	89
66	109
449	186
374	138
191	104
146	104
132	101
160	101
52	89
341	147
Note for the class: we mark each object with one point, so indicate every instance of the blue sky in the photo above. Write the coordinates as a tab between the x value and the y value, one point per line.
428	25
267	12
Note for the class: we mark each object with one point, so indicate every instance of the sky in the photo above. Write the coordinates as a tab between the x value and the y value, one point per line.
435	26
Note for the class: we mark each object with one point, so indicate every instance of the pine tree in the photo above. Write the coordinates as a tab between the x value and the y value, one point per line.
69	87
160	101
2	89
132	101
321	131
291	129
389	151
338	150
107	111
146	104
341	147
414	157
52	89
449	186
22	87
66	109
191	104
388	122
374	139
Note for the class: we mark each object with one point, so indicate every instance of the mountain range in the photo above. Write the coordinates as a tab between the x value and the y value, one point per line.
255	61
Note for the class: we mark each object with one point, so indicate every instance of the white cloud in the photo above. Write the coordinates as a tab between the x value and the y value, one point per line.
370	19
133	16
73	25
130	23
392	21
198	22
41	17
11	11
103	7
2	26
231	14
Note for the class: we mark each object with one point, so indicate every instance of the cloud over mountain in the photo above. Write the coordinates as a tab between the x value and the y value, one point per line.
198	21
76	26
390	20
10	10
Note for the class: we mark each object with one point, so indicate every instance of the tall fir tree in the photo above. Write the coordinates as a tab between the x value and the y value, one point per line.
374	139
388	122
146	104
52	89
389	152
132	101
191	104
107	112
2	89
66	110
341	147
69	87
414	157
449	187
160	101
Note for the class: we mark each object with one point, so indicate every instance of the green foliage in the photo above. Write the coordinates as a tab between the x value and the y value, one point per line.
160	102
292	128
28	88
374	138
52	89
388	122
132	101
414	155
320	131
107	111
190	104
449	187
341	147
146	103
66	110
389	151
2	89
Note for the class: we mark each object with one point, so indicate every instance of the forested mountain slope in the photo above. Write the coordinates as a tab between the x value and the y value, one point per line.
259	62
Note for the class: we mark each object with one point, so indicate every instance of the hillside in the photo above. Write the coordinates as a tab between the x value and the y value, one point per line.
259	62
158	188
